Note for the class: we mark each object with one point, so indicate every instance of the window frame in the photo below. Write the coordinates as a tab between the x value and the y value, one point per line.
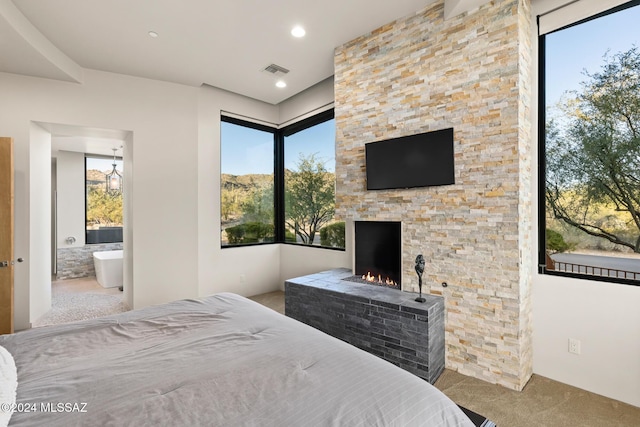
542	160
264	128
279	135
86	197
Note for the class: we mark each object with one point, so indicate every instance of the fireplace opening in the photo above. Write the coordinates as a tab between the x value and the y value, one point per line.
378	253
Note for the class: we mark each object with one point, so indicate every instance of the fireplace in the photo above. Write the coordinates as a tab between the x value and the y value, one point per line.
378	254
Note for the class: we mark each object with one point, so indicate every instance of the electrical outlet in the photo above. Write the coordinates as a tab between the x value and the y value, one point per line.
242	278
574	346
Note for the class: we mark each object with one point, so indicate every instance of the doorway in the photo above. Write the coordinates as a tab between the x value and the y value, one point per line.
75	293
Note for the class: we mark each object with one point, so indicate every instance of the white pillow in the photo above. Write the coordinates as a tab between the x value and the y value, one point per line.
8	385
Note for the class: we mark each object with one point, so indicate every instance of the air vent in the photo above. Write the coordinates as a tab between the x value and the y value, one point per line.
276	70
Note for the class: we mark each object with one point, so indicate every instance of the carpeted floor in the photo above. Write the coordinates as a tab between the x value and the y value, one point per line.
543	402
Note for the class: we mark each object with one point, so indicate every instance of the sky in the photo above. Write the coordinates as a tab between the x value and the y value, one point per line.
103	164
582	47
245	150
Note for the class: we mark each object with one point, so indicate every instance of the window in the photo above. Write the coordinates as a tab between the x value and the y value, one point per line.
247	183
310	183
589	113
278	185
103	208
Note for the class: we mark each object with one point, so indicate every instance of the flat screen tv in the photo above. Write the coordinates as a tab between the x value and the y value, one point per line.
421	160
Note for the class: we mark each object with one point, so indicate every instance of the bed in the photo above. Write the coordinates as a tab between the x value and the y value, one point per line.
223	360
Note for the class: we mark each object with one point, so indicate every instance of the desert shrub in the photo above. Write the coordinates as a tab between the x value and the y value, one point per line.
235	234
556	243
250	232
333	235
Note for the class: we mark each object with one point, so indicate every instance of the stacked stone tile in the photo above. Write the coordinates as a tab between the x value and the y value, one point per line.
77	261
472	73
382	321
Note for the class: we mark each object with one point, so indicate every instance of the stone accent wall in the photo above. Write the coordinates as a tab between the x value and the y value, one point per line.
77	261
472	73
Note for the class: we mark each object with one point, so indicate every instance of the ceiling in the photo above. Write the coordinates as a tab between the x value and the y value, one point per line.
222	43
85	139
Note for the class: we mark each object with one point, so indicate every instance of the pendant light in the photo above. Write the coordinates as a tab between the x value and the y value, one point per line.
114	179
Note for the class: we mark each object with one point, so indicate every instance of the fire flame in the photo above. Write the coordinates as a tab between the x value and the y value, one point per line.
369	278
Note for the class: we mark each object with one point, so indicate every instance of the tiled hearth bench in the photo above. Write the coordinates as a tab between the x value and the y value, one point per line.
383	321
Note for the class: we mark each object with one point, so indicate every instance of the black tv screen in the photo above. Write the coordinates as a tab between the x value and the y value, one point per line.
421	160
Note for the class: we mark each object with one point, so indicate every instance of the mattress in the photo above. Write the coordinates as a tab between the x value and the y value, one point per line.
223	360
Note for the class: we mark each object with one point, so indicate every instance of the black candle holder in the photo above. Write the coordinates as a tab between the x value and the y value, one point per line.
419	270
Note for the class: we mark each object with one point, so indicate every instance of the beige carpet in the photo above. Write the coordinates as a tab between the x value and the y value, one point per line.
543	402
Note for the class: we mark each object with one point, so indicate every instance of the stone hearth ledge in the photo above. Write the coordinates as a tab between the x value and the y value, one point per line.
383	321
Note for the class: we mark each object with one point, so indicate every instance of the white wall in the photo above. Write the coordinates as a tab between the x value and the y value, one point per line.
311	101
70	218
163	118
605	317
39	258
127	218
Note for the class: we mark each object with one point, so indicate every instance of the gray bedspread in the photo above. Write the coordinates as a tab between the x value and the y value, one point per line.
218	361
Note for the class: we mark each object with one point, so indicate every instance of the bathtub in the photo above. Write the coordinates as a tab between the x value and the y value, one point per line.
108	266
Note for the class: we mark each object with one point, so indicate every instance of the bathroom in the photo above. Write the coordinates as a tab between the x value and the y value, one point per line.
87	224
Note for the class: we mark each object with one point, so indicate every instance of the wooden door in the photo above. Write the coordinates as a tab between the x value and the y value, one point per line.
6	235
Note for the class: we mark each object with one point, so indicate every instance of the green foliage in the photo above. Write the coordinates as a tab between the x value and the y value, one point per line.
103	209
246	197
235	234
309	198
289	236
250	232
593	154
555	242
258	206
333	235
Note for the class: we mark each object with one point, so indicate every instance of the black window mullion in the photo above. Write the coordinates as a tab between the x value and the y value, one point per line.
278	190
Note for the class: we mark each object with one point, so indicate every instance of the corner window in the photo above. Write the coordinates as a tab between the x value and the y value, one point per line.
103	201
590	148
278	185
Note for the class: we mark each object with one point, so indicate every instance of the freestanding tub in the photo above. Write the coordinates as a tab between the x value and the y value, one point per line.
108	266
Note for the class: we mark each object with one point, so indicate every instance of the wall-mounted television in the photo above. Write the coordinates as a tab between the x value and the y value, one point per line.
421	160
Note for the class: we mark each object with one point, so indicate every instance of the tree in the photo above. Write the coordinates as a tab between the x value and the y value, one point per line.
593	158
231	200
258	206
102	208
309	197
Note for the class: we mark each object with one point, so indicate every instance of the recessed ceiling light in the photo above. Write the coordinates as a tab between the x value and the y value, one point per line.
298	31
281	84
153	34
